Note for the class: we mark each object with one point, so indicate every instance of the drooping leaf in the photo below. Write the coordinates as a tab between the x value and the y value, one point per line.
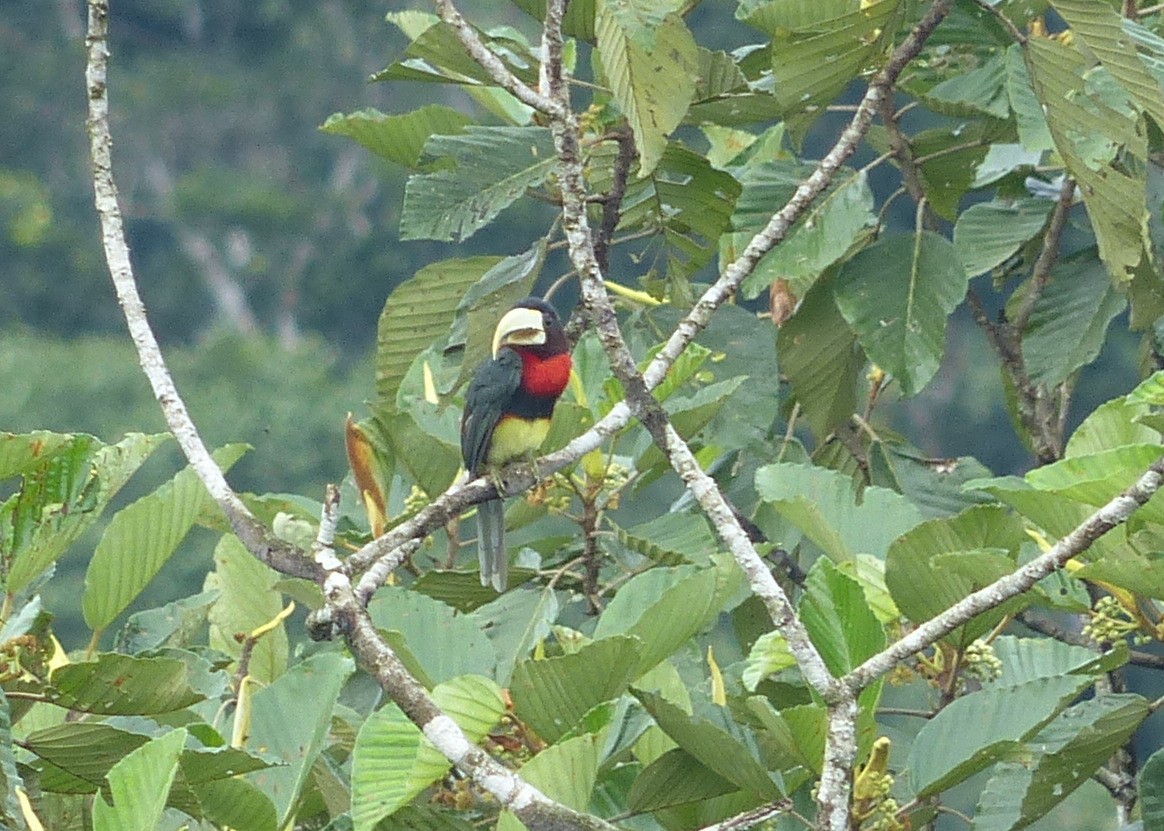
1110	425
897	294
423	442
551	695
416	313
140	539
1032	123
22	452
123	685
246	601
989	233
236	803
398	138
514	623
838	619
565	772
1026	659
1097	477
493	167
675	778
289	721
139	785
10	778
171	624
435	54
651	61
981	91
1068	326
671	539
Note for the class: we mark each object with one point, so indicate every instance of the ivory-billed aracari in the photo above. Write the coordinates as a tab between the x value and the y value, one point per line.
507	412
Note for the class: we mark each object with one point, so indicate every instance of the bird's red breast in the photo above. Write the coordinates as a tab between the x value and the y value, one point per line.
544	377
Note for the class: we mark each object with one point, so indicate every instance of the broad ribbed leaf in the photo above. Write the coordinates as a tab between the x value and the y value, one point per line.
139	785
981	91
838	619
819	354
651	62
246	601
1097	477
564	772
514	623
289	721
1068	325
140	539
822	504
9	776
492	167
445	642
989	233
675	778
671	539
61	498
392	762
398	138
417	312
834	223
237	804
436	54
1093	136
1151	791
936	564
1065	753
983	727
1028	112
86	750
578	21
123	685
552	695
22	452
897	294
1026	659
1111	425
423	441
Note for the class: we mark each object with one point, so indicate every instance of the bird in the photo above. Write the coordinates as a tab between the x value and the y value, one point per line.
508	406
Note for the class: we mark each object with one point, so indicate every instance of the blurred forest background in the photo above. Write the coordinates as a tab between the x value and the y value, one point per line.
265	248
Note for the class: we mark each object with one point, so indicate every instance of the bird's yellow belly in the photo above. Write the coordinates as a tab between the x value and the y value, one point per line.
516	438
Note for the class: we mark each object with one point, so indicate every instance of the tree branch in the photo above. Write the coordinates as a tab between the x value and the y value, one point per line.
274	552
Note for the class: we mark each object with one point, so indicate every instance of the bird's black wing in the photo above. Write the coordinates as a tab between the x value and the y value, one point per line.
493	384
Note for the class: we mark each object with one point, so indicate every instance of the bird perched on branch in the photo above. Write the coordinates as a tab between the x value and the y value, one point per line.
507	412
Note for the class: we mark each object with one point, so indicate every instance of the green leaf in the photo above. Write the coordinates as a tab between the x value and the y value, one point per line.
61	498
947	751
436	55
418	312
578	21
515	622
665	608
822	504
726	747
1111	425
981	91
1097	477
564	772
9	776
398	138
769	655
675	778
236	803
289	721
1032	123
139	785
551	695
1027	659
21	453
1097	142
172	624
1065	753
651	61
1068	325
246	601
819	354
990	233
933	566
838	220
140	539
392	762
838	619
671	539
1151	791
421	446
462	648
123	685
897	294
86	751
492	168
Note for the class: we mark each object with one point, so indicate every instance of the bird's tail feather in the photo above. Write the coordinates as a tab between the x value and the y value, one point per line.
491	544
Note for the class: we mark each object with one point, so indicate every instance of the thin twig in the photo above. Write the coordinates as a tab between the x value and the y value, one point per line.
752	818
1041	272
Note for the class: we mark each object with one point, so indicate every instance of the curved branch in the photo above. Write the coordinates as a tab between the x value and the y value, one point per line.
274	552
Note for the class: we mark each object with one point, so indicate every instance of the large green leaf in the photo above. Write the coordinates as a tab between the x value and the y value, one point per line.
1097	141
671	539
140	539
651	62
61	498
836	221
423	442
398	138
1151	790
123	685
87	751
989	233
983	727
981	91
1064	754
10	778
1096	477
838	619
1032	123
1111	425
515	622
436	55
289	721
1068	325
552	695
933	566
139	785
23	452
819	354
674	778
392	762
237	804
444	642
823	504
246	601
417	312
897	294
1026	659
565	772
492	168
